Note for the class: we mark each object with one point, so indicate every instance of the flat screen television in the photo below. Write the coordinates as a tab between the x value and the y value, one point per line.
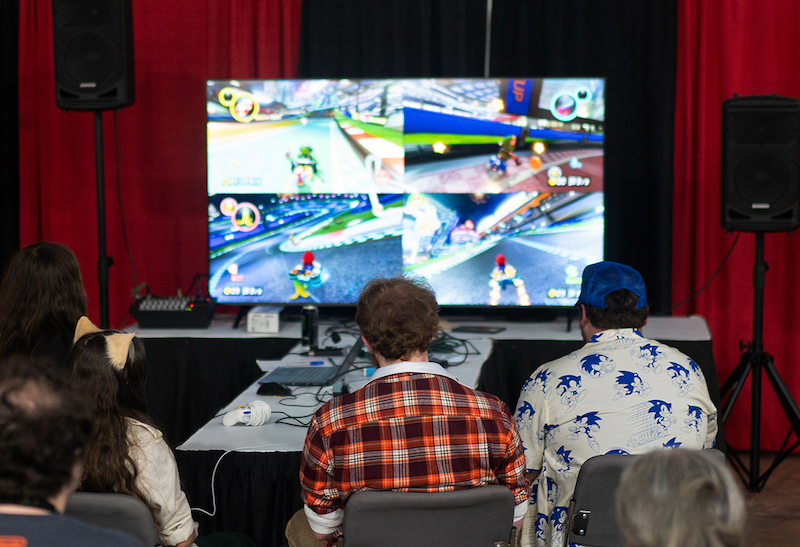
490	189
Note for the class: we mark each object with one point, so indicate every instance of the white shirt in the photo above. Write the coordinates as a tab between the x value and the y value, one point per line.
159	482
620	393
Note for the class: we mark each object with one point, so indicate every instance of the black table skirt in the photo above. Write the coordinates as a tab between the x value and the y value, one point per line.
256	492
190	379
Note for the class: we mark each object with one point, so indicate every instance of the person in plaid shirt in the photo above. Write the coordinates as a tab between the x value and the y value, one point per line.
412	427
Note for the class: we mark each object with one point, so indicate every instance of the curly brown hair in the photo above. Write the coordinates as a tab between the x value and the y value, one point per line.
397	317
44	428
41	299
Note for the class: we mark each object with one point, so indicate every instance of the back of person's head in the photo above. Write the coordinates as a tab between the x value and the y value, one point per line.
614	296
397	316
41	295
44	428
680	498
110	369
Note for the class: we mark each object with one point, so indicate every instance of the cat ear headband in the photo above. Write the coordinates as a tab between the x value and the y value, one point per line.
118	345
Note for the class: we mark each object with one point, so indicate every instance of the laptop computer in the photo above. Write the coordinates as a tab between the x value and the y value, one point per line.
313	375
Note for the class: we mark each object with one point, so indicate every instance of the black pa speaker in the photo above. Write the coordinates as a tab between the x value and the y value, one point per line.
93	45
760	175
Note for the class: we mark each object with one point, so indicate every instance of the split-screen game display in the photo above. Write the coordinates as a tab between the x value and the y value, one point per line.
492	190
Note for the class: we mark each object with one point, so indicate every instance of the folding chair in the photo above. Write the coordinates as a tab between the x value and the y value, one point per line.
117	511
475	517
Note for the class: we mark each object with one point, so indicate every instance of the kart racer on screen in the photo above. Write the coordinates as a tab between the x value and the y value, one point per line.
304	166
307	274
420	223
505	274
505	153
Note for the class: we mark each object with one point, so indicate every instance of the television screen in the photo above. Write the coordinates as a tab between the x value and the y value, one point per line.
492	190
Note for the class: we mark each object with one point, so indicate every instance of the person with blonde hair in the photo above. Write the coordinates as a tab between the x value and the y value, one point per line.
680	498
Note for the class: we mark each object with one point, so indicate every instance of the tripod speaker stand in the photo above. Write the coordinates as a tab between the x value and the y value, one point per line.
755	360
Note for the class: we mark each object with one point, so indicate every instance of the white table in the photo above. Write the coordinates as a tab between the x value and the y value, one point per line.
277	437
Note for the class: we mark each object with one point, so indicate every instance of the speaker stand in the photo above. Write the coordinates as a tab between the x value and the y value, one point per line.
104	262
755	360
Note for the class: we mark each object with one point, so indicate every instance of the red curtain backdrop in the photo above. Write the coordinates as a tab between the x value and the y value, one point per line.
178	45
749	48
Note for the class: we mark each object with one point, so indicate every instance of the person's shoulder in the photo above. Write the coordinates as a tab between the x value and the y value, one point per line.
142	432
69	532
488	401
100	537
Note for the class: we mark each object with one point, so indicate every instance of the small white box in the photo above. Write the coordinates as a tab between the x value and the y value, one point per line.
264	320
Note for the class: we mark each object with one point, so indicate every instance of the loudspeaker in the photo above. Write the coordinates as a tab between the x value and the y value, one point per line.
760	175
93	46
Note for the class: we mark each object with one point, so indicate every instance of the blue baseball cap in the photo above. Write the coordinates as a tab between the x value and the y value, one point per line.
602	278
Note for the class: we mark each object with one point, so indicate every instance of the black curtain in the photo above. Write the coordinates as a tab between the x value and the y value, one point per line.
9	131
629	42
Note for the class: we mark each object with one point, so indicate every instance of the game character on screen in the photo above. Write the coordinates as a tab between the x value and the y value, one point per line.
503	275
304	166
420	223
505	153
307	274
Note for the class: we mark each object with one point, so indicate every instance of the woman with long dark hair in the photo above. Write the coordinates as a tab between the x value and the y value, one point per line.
128	454
41	299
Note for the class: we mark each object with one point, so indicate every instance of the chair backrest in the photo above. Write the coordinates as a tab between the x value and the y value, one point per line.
592	516
592	519
117	511
478	517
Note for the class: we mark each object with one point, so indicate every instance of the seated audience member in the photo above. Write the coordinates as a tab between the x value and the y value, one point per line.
399	422
129	454
44	429
619	393
41	299
680	498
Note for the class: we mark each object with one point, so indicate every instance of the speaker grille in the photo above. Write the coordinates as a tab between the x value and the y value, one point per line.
89	60
93	53
760	188
761	177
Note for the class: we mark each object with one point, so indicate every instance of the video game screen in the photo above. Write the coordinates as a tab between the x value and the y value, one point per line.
491	190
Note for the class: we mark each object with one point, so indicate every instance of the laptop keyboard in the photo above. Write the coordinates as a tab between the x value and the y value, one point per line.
300	374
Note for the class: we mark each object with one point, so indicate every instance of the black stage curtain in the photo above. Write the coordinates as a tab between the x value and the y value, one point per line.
190	379
392	38
631	43
9	131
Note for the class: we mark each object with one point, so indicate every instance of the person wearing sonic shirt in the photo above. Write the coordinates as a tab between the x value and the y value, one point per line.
619	394
399	421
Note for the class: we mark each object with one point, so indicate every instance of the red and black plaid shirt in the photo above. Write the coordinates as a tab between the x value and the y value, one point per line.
410	431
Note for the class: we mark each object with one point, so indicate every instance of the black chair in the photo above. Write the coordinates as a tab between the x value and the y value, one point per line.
477	517
592	518
117	511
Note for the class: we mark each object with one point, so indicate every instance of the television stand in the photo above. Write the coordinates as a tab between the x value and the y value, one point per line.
240	314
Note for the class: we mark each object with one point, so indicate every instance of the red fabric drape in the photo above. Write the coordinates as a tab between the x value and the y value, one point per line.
178	45
749	48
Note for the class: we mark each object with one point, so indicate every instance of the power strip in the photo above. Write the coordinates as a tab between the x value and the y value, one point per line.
176	312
